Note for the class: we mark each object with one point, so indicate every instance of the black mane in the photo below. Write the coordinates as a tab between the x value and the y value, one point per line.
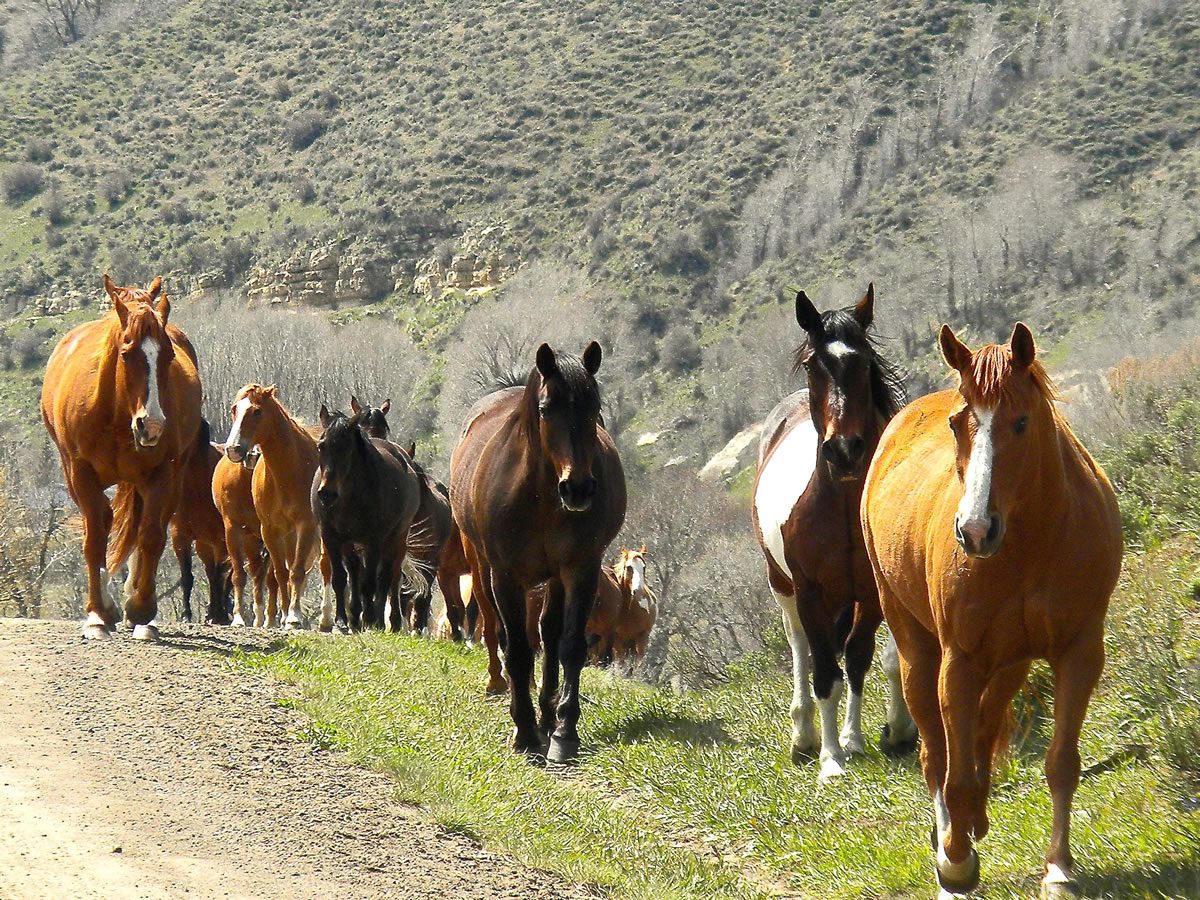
887	378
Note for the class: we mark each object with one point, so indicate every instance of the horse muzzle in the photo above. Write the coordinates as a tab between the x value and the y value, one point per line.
237	454
980	538
147	431
845	456
577	495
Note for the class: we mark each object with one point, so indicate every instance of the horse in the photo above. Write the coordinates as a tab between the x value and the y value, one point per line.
538	493
814	451
121	402
995	541
364	496
433	555
198	523
233	496
279	486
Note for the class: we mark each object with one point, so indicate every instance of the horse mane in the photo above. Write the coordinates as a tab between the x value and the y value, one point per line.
577	379
887	378
991	376
339	425
205	434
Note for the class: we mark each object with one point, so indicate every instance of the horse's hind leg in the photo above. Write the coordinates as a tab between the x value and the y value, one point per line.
518	661
452	597
481	593
326	583
218	611
1076	673
993	732
860	648
88	494
187	580
550	625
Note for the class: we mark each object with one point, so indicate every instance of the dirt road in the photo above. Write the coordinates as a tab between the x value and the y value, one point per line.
133	771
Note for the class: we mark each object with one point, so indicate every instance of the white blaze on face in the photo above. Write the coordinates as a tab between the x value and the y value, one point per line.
840	349
978	480
235	433
639	575
154	410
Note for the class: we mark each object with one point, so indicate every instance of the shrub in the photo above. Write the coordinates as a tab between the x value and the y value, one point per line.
114	186
21	182
304	129
55	207
38	150
680	350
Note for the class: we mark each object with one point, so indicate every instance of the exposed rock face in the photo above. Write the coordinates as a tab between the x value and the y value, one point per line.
727	461
326	275
62	302
480	261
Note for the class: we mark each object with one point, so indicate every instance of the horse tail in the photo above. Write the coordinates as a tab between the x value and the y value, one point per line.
127	520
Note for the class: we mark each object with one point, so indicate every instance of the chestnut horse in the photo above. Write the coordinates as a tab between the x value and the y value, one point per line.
198	523
233	495
280	487
814	451
121	401
995	541
538	493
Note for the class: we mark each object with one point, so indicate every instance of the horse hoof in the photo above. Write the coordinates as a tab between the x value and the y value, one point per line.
238	622
496	690
963	877
145	633
852	745
895	749
831	769
94	631
802	754
1059	885
563	751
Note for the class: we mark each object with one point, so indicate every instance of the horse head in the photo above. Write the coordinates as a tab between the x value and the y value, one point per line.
372	419
562	415
340	445
1004	412
247	414
851	389
146	353
630	569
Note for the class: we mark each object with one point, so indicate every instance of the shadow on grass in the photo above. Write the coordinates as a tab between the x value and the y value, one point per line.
225	645
1173	878
660	725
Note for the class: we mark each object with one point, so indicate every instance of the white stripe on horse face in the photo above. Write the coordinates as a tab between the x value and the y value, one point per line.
153	405
840	349
639	574
239	412
978	480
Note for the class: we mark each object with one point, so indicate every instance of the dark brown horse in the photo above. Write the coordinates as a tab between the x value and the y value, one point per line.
197	524
815	448
121	400
364	495
538	494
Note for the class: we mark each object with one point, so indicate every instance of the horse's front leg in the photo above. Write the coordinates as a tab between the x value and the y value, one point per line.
551	623
827	679
141	605
102	613
326	581
509	596
579	583
860	649
960	691
354	567
187	579
337	579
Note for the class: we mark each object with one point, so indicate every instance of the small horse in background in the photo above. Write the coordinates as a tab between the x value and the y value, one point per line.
538	493
121	401
995	541
233	496
198	523
364	495
627	632
815	448
280	487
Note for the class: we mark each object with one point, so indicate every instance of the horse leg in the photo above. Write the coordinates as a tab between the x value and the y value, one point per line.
804	732
481	593
860	648
326	600
303	555
452	597
550	623
580	585
518	661
187	580
89	496
141	607
827	679
960	696
382	586
354	572
993	721
899	733
422	604
1076	673
277	550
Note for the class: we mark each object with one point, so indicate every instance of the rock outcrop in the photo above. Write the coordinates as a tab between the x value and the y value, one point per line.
325	275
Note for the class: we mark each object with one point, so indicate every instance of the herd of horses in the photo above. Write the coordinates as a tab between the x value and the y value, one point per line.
971	519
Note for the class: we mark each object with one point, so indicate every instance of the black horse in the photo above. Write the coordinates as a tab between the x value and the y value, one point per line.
365	495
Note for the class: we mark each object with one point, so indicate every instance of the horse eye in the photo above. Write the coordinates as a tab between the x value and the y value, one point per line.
1021	424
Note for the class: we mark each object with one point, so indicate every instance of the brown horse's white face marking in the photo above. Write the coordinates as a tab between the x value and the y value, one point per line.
567	415
246	413
630	569
146	354
992	433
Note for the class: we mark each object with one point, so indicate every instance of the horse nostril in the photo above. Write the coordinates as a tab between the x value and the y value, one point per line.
856	445
589	488
829	450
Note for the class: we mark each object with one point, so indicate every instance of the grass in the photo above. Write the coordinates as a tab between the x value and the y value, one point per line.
694	794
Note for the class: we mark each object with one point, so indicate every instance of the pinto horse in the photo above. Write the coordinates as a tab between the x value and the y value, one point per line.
628	631
121	401
233	496
364	496
814	452
538	492
279	486
197	523
995	541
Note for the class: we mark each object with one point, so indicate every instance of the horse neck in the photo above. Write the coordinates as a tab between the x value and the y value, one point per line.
280	435
1045	481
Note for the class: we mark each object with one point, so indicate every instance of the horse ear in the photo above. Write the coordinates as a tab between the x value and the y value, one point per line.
547	362
386	407
1022	346
807	315
153	290
864	310
163	308
956	353
592	356
324	416
412	449
273	390
643	550
354	406
118	302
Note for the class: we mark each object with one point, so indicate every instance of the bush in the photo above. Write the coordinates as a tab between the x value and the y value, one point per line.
304	129
55	207
38	150
680	350
21	182
114	186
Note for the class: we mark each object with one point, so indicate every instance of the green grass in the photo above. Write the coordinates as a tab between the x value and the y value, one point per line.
694	794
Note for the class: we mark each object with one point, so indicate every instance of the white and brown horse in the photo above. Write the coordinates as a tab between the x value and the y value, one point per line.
814	452
996	540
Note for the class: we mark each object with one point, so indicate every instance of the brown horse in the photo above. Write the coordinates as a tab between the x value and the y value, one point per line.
197	523
121	400
538	493
995	541
280	487
233	495
814	452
